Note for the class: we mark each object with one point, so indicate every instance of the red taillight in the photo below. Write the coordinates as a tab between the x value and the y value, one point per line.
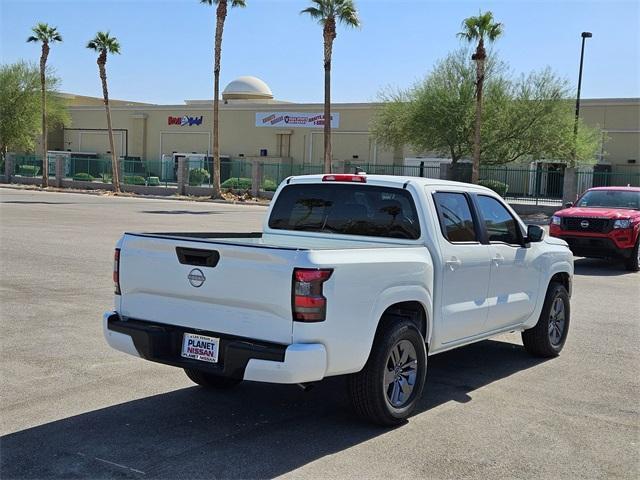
116	271
344	178
309	305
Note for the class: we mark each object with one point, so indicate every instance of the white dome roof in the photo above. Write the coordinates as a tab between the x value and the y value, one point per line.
247	88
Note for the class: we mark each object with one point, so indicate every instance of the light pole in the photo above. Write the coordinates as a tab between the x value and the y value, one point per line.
585	35
569	190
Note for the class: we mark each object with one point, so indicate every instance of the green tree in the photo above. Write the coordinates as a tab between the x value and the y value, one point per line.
103	43
328	13
533	117
46	35
221	15
20	106
479	29
436	114
526	118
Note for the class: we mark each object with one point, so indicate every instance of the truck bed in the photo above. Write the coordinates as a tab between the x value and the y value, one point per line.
242	280
286	241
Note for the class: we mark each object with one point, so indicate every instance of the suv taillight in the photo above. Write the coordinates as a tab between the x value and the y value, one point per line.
309	305
116	271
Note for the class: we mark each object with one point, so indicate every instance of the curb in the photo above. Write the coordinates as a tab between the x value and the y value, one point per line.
108	193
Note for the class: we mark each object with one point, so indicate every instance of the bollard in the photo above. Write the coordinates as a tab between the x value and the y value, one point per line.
8	166
257	170
60	161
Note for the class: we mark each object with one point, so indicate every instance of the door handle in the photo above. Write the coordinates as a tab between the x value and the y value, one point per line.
498	259
453	263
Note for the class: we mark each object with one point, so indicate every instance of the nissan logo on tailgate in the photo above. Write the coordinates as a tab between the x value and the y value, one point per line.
196	277
584	224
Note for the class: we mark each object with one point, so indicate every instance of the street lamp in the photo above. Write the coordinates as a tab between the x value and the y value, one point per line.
570	177
585	35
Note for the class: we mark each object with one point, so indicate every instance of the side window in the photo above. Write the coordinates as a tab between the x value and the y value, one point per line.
455	217
500	224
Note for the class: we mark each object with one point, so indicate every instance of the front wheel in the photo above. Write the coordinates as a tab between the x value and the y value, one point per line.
633	262
209	380
390	385
547	337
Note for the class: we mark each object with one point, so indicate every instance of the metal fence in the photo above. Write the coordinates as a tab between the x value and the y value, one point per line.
521	184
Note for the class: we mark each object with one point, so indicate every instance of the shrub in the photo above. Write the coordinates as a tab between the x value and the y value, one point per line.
198	176
153	181
28	170
237	183
134	180
82	177
269	185
500	188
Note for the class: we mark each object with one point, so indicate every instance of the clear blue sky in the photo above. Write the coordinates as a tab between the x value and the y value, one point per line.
167	44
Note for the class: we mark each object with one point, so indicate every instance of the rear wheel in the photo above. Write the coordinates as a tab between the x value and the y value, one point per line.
388	388
633	262
548	336
209	380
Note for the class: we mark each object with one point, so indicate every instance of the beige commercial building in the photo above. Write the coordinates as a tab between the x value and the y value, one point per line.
254	124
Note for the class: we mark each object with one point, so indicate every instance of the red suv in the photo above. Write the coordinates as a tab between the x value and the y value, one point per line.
603	223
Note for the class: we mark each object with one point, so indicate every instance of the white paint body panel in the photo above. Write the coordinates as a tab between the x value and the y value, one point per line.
248	294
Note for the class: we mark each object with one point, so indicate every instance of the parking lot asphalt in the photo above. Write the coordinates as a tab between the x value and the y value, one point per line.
70	407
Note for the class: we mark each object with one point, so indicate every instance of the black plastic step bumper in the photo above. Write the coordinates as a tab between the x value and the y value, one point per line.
163	344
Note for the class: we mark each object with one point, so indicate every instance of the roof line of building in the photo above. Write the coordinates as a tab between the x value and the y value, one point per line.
202	106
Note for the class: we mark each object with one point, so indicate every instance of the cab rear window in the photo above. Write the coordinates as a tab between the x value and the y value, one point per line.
346	209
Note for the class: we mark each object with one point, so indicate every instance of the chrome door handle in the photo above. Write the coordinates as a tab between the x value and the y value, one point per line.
453	263
498	259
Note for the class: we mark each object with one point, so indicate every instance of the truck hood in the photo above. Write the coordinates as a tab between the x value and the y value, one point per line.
593	212
554	241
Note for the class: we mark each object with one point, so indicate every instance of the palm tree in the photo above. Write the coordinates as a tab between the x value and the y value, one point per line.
479	28
46	35
327	13
221	15
103	43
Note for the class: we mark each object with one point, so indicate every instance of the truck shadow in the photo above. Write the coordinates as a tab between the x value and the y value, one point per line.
253	431
599	267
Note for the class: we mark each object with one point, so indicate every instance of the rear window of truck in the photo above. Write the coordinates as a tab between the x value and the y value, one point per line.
346	209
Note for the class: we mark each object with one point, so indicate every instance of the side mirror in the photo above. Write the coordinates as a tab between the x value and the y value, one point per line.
534	234
568	205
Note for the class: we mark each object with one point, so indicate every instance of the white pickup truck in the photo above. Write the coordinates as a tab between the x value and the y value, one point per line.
358	275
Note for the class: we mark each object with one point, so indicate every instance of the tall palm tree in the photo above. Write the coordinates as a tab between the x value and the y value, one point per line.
103	44
46	35
221	15
328	13
480	28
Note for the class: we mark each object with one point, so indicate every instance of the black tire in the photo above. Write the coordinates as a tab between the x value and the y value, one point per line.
546	339
209	380
369	390
633	262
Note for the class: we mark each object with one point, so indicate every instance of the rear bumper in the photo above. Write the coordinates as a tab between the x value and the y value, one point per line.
239	357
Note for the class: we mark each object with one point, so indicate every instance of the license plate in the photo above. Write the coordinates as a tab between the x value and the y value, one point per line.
199	347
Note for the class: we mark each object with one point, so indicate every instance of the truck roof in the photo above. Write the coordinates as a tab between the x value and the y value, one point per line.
389	180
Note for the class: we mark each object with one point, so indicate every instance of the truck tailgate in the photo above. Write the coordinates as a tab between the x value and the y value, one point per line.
247	293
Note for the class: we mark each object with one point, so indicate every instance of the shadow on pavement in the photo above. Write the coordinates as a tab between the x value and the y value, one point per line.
34	202
254	431
181	212
599	267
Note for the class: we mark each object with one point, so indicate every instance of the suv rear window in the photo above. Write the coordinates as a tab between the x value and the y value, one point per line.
346	209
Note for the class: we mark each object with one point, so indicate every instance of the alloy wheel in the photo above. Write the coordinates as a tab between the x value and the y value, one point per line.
400	373
557	321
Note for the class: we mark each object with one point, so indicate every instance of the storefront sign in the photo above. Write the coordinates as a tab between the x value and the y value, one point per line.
185	120
294	119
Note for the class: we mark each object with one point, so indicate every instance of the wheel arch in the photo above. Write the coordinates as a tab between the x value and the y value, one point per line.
563	278
405	302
